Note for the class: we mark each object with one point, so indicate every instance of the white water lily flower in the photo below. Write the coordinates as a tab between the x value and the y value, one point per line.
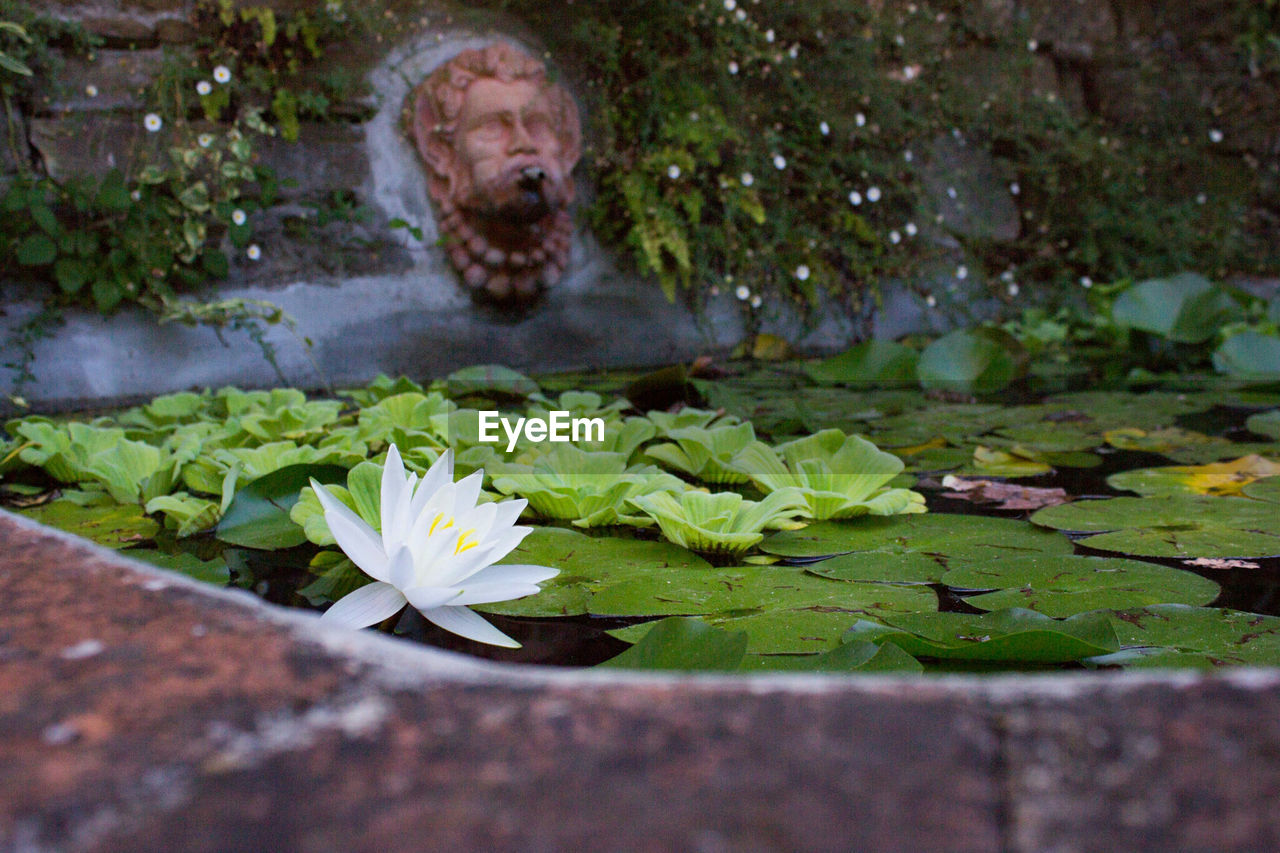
436	551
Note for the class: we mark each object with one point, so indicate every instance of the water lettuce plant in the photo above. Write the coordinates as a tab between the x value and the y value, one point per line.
839	476
721	523
705	453
590	489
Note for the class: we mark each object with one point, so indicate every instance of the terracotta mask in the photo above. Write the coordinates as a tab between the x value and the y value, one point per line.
500	142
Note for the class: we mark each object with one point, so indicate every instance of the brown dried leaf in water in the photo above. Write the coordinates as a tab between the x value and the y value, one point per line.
1220	563
1004	495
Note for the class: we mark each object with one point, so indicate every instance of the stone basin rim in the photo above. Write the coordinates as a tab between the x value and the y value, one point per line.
399	664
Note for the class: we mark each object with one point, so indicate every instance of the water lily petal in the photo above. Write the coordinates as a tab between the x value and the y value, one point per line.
485	593
426	598
513	573
400	572
439	475
465	623
366	606
395	502
357	539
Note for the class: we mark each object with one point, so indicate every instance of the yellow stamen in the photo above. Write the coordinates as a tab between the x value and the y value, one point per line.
463	544
436	521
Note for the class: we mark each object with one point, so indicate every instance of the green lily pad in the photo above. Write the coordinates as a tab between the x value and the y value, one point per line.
1186	308
1219	479
884	566
967	537
215	572
1013	636
684	645
846	657
258	516
1265	423
1182	526
114	525
490	380
1250	355
1177	635
1102	410
871	361
743	589
966	361
1064	585
586	564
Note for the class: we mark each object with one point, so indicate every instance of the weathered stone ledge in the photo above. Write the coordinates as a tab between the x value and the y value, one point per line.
139	710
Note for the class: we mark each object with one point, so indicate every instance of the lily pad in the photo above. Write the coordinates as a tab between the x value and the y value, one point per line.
1250	355
1177	635
965	537
966	361
886	566
846	657
215	572
873	361
258	516
586	564
685	645
1186	308
1220	478
1013	636
116	526
1064	585
1182	526
1266	423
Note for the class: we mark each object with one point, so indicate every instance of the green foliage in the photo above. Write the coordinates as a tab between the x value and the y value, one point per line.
691	104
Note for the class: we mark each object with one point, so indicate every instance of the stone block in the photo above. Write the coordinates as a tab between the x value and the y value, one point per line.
964	186
326	157
118	77
91	143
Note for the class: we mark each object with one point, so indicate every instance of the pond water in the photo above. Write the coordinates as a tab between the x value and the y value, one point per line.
1161	547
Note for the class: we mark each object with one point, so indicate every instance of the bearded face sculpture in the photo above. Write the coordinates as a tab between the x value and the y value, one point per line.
499	142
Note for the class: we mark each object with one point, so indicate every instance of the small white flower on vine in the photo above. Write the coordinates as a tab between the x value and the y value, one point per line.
794	51
756	301
1015	188
779	162
673	171
1086	282
747	179
238	216
254	252
802	272
203	88
895	238
962	272
951	192
908	155
860	120
1201	198
931	301
873	194
769	36
152	122
1033	45
91	90
1215	136
222	74
855	198
911	229
824	129
733	68
730	5
742	292
205	140
136	195
741	14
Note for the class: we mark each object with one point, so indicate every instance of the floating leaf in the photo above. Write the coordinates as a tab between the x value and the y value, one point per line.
966	361
887	566
1186	308
1064	585
1266	423
1182	526
1012	636
215	572
685	645
846	657
114	525
1250	355
720	523
970	537
258	516
586	564
998	463
1177	635
1221	478
490	380
872	362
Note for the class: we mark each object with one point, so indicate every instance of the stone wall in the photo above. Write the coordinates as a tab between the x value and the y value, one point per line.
1129	62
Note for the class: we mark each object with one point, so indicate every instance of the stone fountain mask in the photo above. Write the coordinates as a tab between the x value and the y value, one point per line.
500	143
